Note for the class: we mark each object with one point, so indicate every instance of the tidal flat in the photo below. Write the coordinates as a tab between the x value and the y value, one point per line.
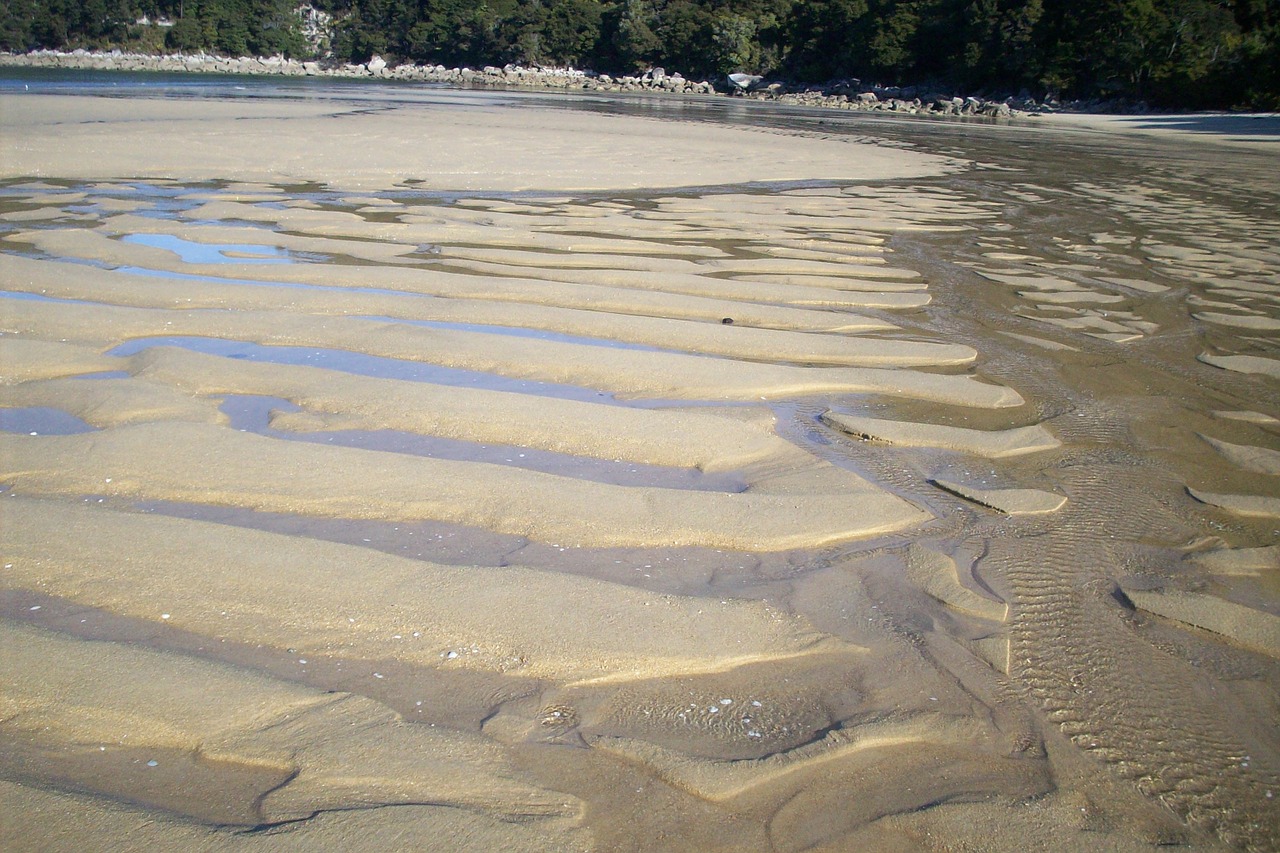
390	468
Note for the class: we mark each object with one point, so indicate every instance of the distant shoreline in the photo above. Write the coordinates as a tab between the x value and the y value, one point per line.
1255	130
845	95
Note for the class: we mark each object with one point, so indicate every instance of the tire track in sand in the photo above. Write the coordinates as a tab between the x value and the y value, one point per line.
1143	711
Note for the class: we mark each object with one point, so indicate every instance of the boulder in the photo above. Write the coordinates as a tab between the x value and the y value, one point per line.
745	82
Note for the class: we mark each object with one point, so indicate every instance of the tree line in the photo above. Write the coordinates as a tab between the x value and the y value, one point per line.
1184	53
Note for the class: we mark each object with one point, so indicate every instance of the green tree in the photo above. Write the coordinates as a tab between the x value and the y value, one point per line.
1195	36
684	28
231	20
49	29
277	30
1165	50
821	36
635	44
999	43
737	47
17	17
186	34
891	49
1176	52
571	31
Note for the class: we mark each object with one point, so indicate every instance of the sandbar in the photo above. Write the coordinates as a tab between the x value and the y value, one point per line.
455	148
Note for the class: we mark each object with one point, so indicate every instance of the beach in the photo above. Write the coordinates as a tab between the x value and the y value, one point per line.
396	467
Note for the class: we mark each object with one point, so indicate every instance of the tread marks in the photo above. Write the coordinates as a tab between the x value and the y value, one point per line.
1111	692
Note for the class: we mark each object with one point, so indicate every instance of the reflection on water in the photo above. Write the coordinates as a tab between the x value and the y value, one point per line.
40	297
259	283
540	334
346	361
192	252
254	413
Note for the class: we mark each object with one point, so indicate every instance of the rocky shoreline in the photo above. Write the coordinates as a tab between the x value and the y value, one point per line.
844	94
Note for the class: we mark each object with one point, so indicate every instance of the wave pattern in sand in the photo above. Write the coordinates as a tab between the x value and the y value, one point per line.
850	514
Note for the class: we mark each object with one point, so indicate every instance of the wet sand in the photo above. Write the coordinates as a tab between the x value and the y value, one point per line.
588	480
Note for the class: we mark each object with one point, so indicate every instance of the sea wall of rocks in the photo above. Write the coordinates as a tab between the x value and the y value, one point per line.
376	68
846	95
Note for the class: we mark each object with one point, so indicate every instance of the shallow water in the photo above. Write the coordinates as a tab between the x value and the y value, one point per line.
41	420
1102	675
361	364
525	333
40	297
253	414
191	252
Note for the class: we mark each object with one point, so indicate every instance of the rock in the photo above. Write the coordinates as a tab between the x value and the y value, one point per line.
839	94
745	82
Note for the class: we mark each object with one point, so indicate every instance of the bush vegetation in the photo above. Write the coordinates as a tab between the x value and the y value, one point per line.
1183	53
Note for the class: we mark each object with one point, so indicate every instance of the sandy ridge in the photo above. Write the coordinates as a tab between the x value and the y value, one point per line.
214	465
642	374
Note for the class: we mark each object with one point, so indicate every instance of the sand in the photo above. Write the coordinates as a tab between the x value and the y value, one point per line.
1252	505
1256	131
579	479
1245	625
994	444
258	579
214	465
938	575
1008	501
617	370
1263	460
234	749
736	341
353	147
382	289
1240	561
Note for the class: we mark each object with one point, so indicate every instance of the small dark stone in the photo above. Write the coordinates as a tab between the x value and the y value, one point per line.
728	321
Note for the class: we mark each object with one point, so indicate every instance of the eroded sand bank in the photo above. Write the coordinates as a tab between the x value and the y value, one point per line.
605	501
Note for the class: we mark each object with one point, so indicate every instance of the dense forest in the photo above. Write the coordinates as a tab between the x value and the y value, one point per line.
1185	53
